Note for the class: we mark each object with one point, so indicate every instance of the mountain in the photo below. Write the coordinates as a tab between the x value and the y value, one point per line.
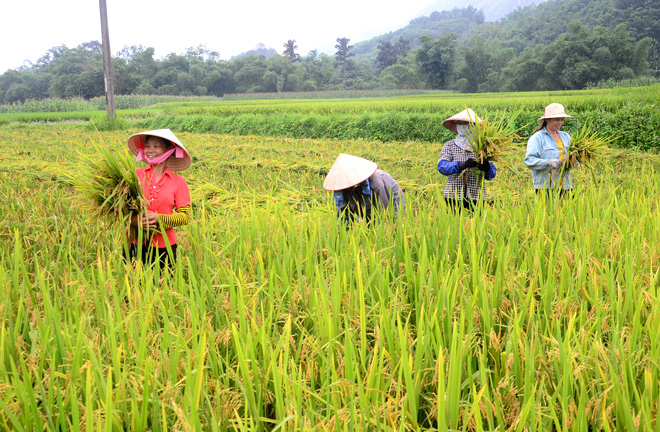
443	18
260	49
493	10
532	23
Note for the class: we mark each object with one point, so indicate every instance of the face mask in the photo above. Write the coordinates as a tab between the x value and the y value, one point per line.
464	131
162	158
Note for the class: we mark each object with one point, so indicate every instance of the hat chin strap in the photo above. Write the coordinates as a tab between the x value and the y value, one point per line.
162	158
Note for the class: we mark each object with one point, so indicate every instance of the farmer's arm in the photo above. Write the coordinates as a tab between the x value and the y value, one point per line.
446	164
180	217
533	157
491	173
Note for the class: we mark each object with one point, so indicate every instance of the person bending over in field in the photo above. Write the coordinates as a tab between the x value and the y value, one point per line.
360	187
465	186
166	194
546	149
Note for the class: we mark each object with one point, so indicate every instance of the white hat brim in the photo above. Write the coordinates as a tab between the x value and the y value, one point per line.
348	171
555	116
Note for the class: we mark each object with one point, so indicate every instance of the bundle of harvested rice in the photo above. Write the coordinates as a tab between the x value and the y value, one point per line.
586	145
109	185
491	137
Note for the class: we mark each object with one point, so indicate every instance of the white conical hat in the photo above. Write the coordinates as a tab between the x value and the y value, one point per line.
136	143
467	115
348	171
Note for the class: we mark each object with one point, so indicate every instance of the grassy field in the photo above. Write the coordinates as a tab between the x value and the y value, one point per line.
631	113
530	314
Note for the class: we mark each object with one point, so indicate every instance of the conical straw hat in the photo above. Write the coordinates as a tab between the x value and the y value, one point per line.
554	110
348	171
136	143
467	115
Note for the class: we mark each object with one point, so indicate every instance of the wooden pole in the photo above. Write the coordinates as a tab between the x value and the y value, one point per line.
107	62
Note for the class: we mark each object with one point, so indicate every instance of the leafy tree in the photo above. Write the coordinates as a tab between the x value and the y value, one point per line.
279	69
578	57
386	55
343	55
523	73
166	77
186	83
201	53
318	70
477	65
498	60
19	86
134	67
176	63
219	79
435	60
290	48
360	77
78	72
402	47
402	75
389	54
249	74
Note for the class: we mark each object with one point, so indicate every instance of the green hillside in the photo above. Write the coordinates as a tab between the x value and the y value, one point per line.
524	27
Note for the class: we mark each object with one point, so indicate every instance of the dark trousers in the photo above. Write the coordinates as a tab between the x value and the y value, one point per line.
150	255
461	204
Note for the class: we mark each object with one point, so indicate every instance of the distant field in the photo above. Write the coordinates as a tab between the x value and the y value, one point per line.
631	113
530	314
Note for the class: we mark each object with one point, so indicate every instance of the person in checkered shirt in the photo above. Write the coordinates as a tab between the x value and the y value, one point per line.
465	176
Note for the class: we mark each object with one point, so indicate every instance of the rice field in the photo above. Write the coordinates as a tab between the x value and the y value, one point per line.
531	314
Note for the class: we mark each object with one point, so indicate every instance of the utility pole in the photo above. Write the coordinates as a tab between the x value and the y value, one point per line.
107	62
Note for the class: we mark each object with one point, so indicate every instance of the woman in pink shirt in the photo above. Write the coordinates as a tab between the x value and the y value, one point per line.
166	193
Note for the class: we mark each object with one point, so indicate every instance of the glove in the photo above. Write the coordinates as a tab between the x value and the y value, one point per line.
467	164
484	166
554	163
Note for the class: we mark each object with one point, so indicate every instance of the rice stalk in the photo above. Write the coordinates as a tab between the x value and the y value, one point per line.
587	145
491	137
109	185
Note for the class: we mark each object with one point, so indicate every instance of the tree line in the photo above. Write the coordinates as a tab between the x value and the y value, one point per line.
467	62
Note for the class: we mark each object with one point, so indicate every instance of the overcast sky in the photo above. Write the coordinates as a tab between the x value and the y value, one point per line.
29	28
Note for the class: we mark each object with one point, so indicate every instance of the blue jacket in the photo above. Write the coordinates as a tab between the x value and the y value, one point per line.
541	147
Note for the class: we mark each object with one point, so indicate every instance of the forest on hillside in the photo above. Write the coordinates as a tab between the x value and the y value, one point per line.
556	45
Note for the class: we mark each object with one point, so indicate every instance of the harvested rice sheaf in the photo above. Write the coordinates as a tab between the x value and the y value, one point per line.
491	137
586	145
109	185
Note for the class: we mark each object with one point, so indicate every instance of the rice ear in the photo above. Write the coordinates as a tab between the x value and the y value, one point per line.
587	145
492	137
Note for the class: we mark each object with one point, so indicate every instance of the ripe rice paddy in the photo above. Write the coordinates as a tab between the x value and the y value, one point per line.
532	313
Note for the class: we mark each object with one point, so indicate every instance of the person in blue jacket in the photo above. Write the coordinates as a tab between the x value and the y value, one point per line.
465	176
546	150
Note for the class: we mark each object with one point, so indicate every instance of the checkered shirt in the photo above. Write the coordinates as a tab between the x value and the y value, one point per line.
472	177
